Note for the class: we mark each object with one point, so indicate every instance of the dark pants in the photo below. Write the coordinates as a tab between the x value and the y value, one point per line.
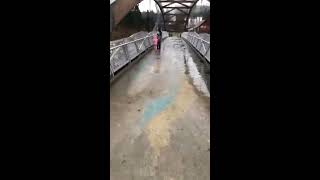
159	43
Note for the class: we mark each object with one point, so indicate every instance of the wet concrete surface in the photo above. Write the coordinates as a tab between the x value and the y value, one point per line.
160	118
202	66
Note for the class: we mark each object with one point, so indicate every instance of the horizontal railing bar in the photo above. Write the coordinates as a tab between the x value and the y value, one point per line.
128	56
199	38
194	41
130	42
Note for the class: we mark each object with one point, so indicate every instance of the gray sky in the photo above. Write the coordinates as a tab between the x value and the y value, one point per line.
145	4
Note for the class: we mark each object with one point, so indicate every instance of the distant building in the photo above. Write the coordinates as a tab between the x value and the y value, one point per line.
205	27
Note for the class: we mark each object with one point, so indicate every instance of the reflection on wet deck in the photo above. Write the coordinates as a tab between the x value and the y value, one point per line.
160	117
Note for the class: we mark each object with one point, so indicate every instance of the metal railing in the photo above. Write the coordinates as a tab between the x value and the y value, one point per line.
201	45
124	53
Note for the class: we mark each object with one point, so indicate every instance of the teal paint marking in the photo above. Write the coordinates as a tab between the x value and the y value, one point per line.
156	106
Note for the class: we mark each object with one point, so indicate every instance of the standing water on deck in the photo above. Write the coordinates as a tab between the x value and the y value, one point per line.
202	67
160	117
196	68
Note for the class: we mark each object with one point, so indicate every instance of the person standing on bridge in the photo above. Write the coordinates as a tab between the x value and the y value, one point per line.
159	38
155	41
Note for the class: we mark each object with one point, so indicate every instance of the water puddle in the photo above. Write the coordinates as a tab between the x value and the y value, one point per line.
198	71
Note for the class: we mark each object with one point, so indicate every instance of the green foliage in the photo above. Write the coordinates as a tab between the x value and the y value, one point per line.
150	19
200	11
133	19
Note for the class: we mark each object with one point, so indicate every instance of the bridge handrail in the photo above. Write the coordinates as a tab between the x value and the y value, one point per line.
200	39
114	47
194	41
122	54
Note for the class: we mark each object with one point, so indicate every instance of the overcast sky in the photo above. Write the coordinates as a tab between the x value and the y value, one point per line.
145	4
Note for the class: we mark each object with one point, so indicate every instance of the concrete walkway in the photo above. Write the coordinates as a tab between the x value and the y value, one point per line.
160	118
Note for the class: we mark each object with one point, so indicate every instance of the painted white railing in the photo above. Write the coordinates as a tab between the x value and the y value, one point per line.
199	43
125	50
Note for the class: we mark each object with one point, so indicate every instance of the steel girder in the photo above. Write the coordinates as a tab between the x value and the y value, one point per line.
176	13
180	9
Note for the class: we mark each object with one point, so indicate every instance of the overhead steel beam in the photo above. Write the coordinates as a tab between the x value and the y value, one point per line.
178	7
186	13
168	14
178	2
168	5
165	1
188	16
185	10
120	8
183	4
169	11
197	25
162	13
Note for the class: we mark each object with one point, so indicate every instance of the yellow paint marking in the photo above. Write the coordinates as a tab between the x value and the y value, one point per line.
158	128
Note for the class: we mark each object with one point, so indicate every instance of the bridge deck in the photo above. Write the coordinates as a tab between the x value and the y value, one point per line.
160	118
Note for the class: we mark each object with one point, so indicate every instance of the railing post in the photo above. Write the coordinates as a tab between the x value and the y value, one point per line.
126	52
111	70
141	45
200	45
207	51
111	66
144	43
137	48
204	48
148	40
197	43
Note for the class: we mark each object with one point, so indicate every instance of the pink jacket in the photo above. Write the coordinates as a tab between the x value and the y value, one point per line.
155	40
